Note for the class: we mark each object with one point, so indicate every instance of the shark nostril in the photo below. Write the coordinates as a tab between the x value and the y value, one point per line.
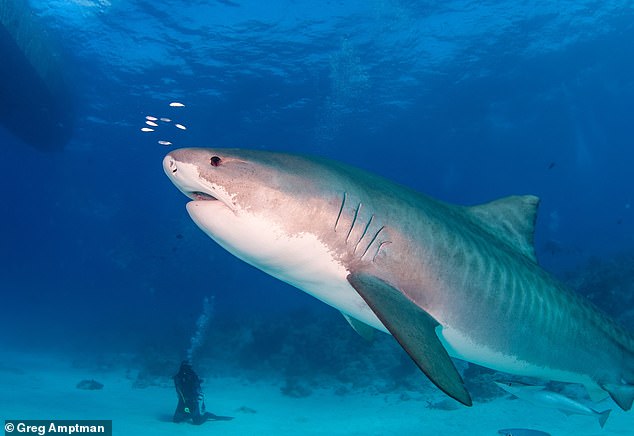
172	165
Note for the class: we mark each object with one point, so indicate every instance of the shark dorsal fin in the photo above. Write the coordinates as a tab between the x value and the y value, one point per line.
510	219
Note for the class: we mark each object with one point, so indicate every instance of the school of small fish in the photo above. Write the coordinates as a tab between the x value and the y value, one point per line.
152	121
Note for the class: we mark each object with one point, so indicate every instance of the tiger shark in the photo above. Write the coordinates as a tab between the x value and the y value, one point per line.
444	280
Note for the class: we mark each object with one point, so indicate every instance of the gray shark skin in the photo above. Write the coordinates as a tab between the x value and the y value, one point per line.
444	280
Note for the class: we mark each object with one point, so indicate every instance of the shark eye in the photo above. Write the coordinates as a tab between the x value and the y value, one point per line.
215	161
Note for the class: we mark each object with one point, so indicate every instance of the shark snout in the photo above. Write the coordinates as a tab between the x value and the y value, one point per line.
169	164
184	175
187	177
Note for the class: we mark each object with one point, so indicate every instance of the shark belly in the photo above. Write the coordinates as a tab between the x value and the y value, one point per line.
301	259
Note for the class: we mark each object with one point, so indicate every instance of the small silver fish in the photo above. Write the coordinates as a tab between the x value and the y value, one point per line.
176	104
165	143
151	123
180	126
147	129
165	120
150	118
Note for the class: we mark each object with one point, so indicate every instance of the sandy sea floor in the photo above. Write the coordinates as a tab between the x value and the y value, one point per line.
37	386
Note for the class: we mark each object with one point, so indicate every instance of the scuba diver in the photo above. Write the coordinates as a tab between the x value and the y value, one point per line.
191	400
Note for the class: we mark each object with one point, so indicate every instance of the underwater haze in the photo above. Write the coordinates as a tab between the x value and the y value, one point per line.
467	101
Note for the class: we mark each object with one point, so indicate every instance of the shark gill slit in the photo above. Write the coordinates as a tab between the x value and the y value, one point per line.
343	203
354	220
378	250
372	242
367	226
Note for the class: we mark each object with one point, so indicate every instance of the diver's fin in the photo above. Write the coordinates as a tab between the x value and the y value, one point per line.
623	395
211	417
415	330
364	330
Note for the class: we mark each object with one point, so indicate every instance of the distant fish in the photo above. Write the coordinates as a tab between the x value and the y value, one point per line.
176	104
180	126
540	396
444	404
165	143
552	165
165	120
89	385
151	123
150	118
147	129
521	432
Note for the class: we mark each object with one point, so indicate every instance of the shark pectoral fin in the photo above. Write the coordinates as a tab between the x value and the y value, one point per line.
415	330
623	395
364	330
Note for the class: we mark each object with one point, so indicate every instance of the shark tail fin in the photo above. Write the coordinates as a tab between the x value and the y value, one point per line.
623	395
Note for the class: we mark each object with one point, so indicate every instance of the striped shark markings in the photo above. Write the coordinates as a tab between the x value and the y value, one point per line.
444	280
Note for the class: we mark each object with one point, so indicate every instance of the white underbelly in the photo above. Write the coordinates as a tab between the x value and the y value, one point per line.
462	347
301	259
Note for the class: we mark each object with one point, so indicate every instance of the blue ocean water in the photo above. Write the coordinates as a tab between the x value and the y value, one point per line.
465	101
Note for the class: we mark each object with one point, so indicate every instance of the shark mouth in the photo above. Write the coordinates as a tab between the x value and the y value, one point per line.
201	196
214	197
